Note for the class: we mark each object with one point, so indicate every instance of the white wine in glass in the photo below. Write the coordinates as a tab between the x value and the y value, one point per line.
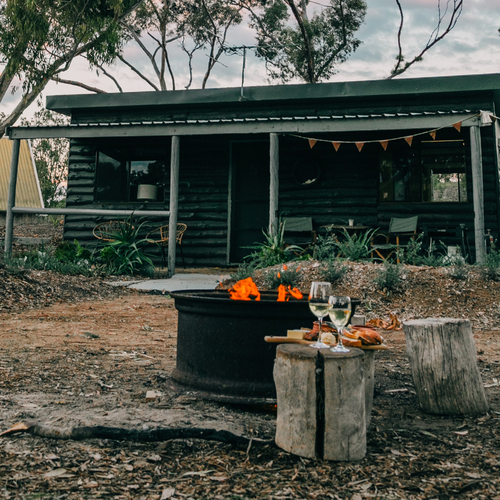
340	311
318	304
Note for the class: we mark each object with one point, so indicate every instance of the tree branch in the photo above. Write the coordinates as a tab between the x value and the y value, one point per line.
434	38
79	84
137	72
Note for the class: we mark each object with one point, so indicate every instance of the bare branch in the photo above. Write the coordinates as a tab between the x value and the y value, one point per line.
137	72
78	84
433	39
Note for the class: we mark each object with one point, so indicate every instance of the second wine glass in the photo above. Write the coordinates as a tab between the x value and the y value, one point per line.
318	303
339	311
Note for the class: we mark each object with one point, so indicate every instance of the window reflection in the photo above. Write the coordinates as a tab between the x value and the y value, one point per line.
429	172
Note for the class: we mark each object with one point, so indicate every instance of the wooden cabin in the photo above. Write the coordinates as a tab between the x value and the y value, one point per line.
366	151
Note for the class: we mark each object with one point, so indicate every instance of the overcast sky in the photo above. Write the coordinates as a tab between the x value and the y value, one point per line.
473	47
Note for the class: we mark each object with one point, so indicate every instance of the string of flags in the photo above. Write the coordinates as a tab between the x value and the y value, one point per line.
385	142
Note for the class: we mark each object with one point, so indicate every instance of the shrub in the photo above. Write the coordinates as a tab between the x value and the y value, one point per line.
272	251
325	248
388	278
491	268
288	276
244	271
356	246
332	271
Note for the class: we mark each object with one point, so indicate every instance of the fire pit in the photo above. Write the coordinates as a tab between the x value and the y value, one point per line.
221	352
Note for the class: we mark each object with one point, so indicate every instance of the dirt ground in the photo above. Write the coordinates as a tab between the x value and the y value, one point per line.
87	355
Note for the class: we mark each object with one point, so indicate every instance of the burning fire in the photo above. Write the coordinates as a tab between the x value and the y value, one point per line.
247	290
244	290
284	294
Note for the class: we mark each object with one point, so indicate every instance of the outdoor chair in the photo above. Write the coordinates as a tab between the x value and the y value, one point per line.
299	231
105	231
160	237
393	243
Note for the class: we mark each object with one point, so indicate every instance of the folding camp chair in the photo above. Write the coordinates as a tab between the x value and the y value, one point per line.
299	231
397	228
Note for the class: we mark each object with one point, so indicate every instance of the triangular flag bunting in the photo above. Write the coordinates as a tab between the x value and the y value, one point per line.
312	142
458	125
433	134
336	145
384	144
360	145
409	140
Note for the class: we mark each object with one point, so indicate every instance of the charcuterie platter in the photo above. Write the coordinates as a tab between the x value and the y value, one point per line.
288	340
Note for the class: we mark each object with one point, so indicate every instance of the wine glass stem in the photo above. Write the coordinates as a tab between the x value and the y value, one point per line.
340	336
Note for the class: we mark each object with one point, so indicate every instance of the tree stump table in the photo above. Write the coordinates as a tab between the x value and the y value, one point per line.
443	363
321	402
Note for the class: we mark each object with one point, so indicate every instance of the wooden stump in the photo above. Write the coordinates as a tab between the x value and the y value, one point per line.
369	372
321	402
443	363
344	414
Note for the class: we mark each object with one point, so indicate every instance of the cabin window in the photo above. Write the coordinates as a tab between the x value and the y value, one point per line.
119	174
426	172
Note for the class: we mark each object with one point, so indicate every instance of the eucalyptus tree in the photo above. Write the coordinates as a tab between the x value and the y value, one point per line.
40	38
297	39
192	25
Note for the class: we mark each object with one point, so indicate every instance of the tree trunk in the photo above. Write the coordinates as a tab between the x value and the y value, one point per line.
443	362
321	402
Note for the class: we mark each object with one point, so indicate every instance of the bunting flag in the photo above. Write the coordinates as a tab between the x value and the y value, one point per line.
433	134
409	139
384	144
312	142
360	145
457	126
336	145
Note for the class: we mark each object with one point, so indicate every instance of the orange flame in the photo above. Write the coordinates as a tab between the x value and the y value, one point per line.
244	290
283	293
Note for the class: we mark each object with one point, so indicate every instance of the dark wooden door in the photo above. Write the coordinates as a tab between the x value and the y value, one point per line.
250	195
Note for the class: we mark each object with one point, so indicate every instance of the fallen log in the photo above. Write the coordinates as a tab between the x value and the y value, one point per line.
116	433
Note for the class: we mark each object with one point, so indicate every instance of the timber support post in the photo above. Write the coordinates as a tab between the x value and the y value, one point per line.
174	203
477	192
274	160
11	200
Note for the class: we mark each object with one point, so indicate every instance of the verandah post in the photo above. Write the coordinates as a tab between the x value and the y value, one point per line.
273	183
11	200
477	192
174	203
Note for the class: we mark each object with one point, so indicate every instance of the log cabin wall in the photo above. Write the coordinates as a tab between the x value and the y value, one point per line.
203	196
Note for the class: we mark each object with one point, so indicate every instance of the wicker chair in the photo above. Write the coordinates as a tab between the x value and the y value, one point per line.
106	230
160	237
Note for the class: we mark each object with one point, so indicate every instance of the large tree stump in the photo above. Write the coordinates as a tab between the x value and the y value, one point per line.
321	402
443	363
344	413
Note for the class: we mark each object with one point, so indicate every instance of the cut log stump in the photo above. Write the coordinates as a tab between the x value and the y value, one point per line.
443	363
321	402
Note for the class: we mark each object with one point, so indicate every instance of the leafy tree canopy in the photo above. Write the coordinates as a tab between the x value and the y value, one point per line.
40	38
294	42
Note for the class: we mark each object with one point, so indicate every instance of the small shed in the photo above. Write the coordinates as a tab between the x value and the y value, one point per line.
230	162
28	192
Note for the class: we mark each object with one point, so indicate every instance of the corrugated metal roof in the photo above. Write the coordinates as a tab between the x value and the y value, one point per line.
27	189
310	118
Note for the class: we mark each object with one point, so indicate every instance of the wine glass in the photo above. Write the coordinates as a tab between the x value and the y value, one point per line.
318	303
339	311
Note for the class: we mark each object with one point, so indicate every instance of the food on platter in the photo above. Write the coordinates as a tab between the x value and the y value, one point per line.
296	334
347	342
328	338
313	334
367	336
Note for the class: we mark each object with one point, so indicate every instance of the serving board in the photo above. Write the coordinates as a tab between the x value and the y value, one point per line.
287	340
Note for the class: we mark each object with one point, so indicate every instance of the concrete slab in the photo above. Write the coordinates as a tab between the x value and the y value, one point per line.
191	281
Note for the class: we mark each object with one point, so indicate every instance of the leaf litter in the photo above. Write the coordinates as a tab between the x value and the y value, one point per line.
47	368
